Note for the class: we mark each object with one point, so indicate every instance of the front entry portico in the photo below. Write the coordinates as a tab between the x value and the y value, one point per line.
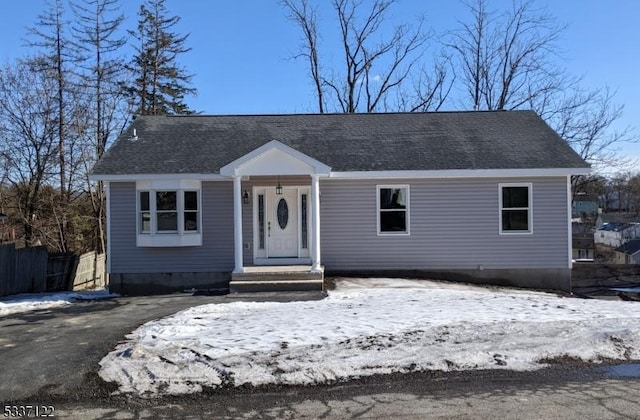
286	221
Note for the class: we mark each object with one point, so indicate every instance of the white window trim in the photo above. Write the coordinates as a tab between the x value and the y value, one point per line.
407	210
177	238
529	209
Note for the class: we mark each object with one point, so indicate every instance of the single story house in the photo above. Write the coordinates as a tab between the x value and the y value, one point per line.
584	248
616	234
232	200
585	207
628	253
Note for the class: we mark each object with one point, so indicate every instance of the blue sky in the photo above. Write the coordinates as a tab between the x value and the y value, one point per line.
242	50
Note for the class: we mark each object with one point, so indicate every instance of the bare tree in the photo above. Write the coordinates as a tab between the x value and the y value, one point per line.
505	59
585	120
634	193
620	186
102	75
55	57
49	36
607	195
375	68
28	127
99	45
305	17
471	45
430	89
80	73
505	62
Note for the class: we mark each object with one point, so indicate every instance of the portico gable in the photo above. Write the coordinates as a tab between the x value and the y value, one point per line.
276	159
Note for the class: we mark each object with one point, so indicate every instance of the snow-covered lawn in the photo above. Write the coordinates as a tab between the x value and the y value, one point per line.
365	327
38	301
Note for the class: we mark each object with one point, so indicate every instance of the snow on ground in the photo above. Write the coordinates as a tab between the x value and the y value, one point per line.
38	301
365	327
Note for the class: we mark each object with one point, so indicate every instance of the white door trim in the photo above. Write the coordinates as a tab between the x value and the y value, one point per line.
283	240
261	255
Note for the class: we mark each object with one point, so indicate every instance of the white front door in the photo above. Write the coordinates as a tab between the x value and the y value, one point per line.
282	223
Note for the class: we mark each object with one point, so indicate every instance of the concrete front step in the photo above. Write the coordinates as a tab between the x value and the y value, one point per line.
295	296
284	278
281	275
295	285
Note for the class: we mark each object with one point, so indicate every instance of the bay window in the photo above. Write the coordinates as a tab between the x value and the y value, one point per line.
168	213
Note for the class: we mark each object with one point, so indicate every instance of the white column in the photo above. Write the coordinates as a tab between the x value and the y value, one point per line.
237	223
107	191
569	224
315	222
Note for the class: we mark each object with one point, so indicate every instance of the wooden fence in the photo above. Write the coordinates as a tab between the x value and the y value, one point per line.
23	270
34	270
90	272
59	269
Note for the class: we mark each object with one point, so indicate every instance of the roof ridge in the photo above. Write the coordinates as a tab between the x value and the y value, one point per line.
484	111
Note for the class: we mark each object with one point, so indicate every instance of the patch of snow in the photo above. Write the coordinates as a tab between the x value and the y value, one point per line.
38	301
365	327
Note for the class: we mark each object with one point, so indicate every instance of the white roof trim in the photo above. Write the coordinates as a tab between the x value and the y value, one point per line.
290	162
461	173
156	177
445	173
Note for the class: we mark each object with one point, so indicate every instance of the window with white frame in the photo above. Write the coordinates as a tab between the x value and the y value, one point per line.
168	213
393	209
515	208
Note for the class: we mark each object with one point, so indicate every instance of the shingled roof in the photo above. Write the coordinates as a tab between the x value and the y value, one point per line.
346	142
630	248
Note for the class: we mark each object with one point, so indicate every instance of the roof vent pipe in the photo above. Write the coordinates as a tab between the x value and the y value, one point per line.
134	137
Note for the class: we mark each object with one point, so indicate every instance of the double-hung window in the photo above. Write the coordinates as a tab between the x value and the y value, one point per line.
169	213
515	208
393	209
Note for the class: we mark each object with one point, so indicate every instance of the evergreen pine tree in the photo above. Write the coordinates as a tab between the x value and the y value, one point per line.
160	84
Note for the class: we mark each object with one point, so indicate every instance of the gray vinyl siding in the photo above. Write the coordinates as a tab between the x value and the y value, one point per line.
454	224
215	254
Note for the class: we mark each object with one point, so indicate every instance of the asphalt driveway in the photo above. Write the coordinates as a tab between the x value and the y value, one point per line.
56	351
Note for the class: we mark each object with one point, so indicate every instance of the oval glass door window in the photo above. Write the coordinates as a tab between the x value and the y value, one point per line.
283	213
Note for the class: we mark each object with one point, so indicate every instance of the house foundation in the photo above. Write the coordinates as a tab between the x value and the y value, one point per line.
137	284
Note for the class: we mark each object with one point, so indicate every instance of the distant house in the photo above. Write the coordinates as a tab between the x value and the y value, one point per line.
616	234
585	207
629	253
584	248
245	200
